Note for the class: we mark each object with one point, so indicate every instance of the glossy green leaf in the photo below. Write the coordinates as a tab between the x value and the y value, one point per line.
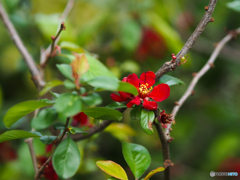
104	113
234	5
113	169
16	134
147	118
150	174
44	119
68	104
48	139
50	85
66	158
66	70
20	110
108	83
92	99
135	113
137	158
59	126
116	105
75	130
166	79
96	68
130	34
69	84
120	131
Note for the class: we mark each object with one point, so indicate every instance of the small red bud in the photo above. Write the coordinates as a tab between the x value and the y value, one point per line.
174	57
53	37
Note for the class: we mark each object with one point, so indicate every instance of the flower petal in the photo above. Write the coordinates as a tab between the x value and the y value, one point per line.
150	105
117	98
136	101
125	96
148	77
133	79
160	92
124	79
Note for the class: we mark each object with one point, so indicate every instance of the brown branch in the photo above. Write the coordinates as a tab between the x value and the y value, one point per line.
46	53
171	65
29	142
37	176
198	75
35	72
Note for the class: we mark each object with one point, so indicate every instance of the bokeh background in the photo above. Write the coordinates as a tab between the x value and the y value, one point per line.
132	36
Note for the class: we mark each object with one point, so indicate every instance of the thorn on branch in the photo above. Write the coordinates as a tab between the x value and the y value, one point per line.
206	8
193	92
212	19
233	33
211	65
167	163
215	44
194	74
176	103
170	139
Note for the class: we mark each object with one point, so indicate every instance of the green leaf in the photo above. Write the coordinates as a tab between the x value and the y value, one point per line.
92	99
75	130
69	84
50	85
96	68
59	126
150	174
137	158
71	46
44	119
147	118
104	113
112	178
234	5
135	113
130	34
55	95
66	70
169	80
48	139
16	134
116	105
68	104
20	110
108	83
113	169
66	158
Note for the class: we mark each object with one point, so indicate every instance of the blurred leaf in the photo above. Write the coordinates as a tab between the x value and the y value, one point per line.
169	80
79	64
135	113
147	118
75	130
103	113
66	158
19	110
49	86
112	84
120	131
137	158
116	105
44	119
68	105
55	95
59	126
69	84
71	46
113	169
48	139
171	36
1	97
92	99
16	134
112	178
234	5
96	68
130	66
130	34
150	174
66	70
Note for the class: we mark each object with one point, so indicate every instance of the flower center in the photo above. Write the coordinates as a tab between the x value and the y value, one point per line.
143	90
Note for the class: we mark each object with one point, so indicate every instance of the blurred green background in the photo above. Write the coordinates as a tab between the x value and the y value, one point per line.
132	36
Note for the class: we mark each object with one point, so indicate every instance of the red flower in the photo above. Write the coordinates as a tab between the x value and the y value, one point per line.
81	120
145	91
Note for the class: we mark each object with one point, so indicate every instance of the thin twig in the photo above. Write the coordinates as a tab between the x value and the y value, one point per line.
35	72
50	157
171	65
46	53
198	75
29	142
